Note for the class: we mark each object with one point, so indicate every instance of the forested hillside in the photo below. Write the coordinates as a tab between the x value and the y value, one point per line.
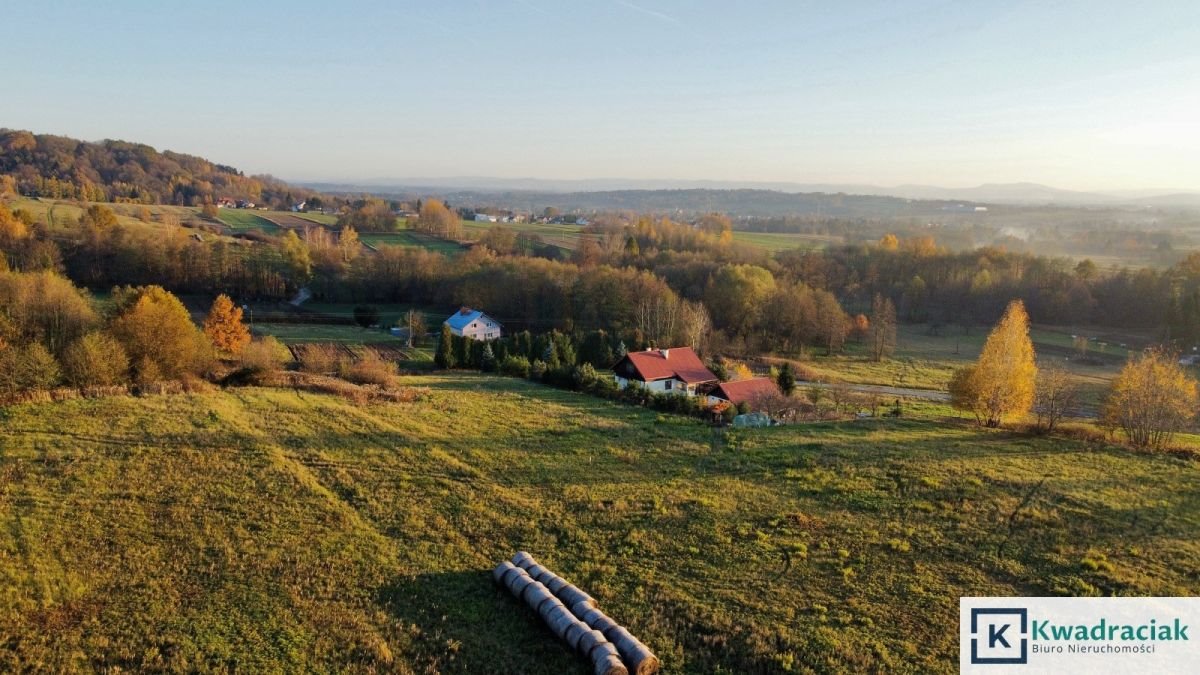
118	171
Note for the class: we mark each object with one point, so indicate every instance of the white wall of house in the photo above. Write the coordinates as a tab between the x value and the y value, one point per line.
670	386
482	328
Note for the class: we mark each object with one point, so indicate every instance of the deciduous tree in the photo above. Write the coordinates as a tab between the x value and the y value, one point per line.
1001	383
1151	399
95	360
224	326
158	334
883	328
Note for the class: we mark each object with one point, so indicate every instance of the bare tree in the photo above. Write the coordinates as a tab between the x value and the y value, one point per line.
1054	396
882	328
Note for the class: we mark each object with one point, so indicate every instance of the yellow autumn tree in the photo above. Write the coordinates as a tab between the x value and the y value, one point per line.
1151	399
224	326
1002	382
158	334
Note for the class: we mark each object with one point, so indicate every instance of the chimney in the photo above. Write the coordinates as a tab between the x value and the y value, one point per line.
666	353
465	311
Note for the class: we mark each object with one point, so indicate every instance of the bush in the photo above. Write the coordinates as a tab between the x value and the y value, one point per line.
371	368
95	360
27	368
515	366
319	358
267	355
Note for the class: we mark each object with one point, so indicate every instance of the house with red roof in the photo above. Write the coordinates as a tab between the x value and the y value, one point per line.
673	371
748	391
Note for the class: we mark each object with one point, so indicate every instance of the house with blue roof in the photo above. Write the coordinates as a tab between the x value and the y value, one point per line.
474	324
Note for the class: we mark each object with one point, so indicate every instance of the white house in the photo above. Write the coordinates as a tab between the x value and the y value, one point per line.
484	218
474	324
677	370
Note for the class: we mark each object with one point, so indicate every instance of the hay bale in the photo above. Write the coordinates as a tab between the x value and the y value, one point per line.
536	594
536	571
554	582
575	633
604	648
559	619
609	665
636	656
586	611
589	641
501	570
523	560
518	582
571	595
601	623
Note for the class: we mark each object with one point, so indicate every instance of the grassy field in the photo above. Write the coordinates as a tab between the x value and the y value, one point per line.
926	361
299	332
782	241
240	220
60	214
562	235
274	530
410	239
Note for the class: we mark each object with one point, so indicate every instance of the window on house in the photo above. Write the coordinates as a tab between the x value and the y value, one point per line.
669	384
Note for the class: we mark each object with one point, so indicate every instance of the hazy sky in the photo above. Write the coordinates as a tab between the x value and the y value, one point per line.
1085	95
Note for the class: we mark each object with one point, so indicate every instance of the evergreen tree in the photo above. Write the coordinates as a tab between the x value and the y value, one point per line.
444	357
786	379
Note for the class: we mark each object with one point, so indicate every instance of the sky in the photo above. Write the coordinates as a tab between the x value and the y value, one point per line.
1094	95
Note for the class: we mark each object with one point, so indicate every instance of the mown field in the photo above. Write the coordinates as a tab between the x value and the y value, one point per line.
276	530
240	220
783	241
410	239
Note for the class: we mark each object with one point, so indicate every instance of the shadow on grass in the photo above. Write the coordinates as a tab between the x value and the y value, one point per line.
466	621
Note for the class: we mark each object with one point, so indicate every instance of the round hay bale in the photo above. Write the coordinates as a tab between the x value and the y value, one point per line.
535	594
554	582
509	574
605	647
559	620
518	582
575	633
501	570
571	595
589	641
586	612
600	622
536	571
637	656
609	665
546	608
523	560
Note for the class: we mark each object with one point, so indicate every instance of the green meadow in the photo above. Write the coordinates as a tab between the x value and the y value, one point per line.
280	530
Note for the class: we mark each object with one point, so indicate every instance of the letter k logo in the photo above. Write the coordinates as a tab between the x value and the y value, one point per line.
995	636
1007	632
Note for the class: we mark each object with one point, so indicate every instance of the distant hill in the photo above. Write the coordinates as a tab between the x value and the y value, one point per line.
743	202
991	193
119	171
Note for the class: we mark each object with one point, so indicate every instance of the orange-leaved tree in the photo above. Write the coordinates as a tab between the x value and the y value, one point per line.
1001	383
224	326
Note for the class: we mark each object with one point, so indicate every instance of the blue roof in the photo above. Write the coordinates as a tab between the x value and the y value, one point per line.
460	321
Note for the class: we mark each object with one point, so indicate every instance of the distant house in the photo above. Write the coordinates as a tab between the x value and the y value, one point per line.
743	391
473	324
677	370
297	208
484	218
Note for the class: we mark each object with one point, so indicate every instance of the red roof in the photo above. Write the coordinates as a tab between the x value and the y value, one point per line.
663	364
744	391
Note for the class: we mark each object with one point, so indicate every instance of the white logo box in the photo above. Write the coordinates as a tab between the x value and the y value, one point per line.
1079	635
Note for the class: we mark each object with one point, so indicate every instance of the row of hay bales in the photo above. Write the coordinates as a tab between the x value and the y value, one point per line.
572	615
